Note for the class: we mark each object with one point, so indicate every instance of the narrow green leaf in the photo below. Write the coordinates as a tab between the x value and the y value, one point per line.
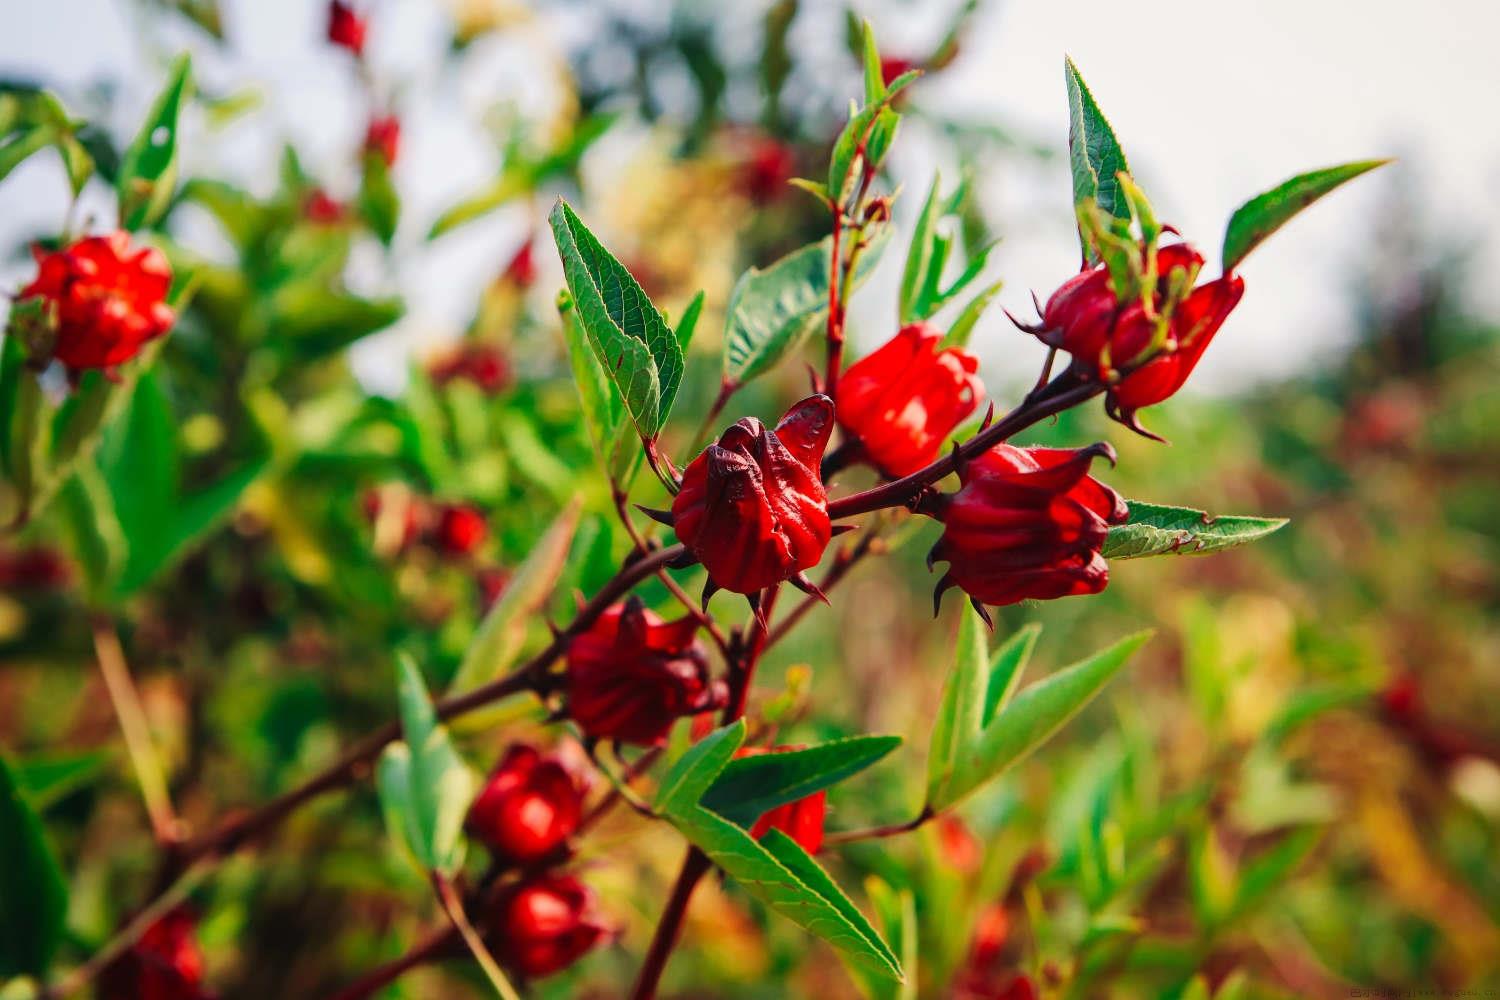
874	76
689	322
802	896
1031	719
499	639
896	915
1093	150
378	201
149	168
922	292
33	893
438	786
772	311
1156	529
1006	667
1266	871
960	716
696	770
45	780
631	339
603	407
1262	215
24	145
749	787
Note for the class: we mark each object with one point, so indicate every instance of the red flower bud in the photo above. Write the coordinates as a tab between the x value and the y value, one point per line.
528	807
483	364
109	299
752	507
892	67
491	581
38	567
801	820
165	964
522	267
383	136
1027	523
904	399
766	169
545	925
459	530
631	675
346	29
321	209
1193	325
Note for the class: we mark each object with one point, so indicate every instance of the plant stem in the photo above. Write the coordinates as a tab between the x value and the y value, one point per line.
843	562
694	867
879	832
136	730
454	907
430	947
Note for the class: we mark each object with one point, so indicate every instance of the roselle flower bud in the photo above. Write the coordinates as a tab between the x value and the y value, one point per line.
108	299
801	820
528	807
752	507
383	137
491	581
346	29
1027	523
165	964
903	400
521	270
458	530
319	208
767	167
38	567
1192	326
631	675
485	365
544	925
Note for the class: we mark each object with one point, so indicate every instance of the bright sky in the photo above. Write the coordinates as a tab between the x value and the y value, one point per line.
1213	101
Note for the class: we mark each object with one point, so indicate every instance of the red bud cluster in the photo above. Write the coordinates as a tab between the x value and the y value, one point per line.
165	964
322	209
108	299
528	807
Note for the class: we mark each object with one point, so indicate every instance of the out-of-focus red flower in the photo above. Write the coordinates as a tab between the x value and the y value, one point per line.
165	964
483	364
1027	523
1106	336
903	400
458	530
545	924
491	581
346	28
991	932
383	136
892	67
1402	698
752	507
996	986
767	167
108	298
530	804
521	270
320	208
802	820
37	567
961	849
631	675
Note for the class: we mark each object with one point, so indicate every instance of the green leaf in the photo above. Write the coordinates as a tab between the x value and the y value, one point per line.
749	787
896	913
45	780
922	293
148	170
1269	869
772	311
1262	215
696	770
425	786
21	147
780	873
603	406
314	321
632	341
960	717
1093	151
33	893
378	201
500	637
689	322
1155	529
1027	722
870	56
1006	667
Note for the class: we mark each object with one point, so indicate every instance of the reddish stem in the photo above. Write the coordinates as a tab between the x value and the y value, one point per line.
694	867
434	945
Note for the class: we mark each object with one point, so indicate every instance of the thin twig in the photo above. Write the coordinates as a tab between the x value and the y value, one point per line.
454	907
434	944
879	832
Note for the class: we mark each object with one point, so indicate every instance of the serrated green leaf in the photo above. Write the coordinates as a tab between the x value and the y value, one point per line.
1093	151
1006	667
425	786
749	787
149	167
696	770
632	341
499	639
1156	529
1030	719
806	896
1262	215
772	311
33	892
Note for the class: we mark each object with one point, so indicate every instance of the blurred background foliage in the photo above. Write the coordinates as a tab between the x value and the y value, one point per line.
1294	791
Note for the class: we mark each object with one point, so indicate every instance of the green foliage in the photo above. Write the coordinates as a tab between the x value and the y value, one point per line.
1155	529
749	787
378	201
148	171
32	120
1262	215
1093	152
33	893
922	291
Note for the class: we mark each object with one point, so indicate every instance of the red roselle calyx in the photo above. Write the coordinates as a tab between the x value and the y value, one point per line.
38	567
521	270
545	924
383	137
1143	349
346	29
108	299
752	507
528	807
768	165
485	365
165	964
459	530
631	675
903	400
1026	523
321	208
801	820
